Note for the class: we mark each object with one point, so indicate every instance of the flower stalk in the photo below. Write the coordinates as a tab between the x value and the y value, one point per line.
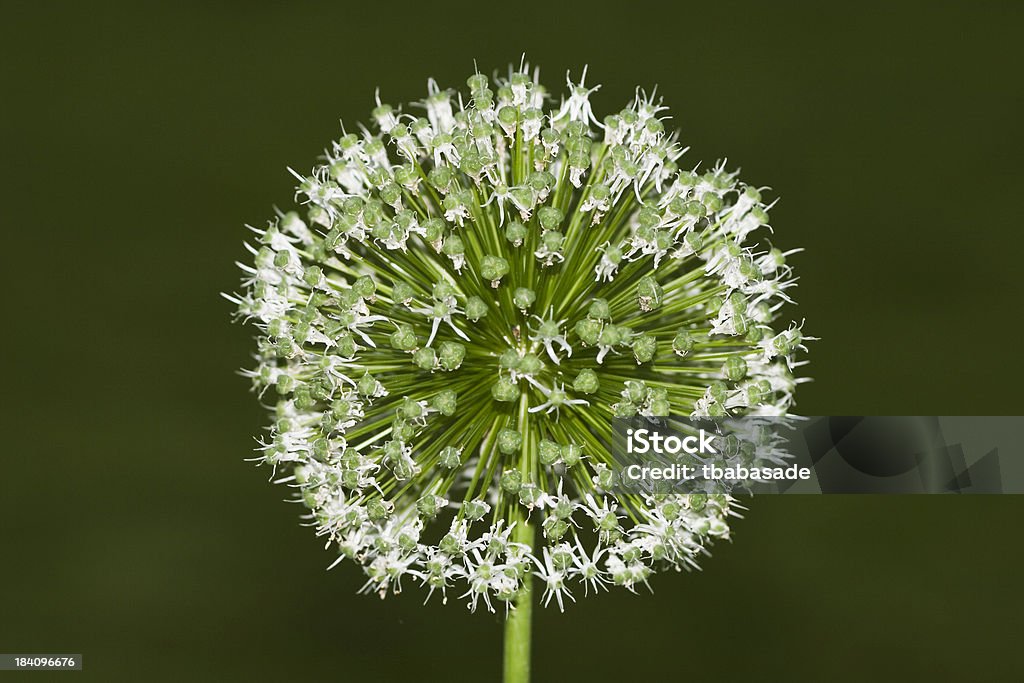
519	623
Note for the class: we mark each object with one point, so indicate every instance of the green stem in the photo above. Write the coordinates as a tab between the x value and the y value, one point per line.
517	625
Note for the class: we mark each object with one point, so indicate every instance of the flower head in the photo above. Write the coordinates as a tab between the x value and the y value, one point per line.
471	291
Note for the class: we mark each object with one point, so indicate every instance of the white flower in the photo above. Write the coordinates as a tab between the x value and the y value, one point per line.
554	581
404	315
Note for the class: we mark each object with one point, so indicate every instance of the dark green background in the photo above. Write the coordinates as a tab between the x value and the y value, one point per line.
137	141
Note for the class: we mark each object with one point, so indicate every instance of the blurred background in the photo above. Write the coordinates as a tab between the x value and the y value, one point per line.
137	140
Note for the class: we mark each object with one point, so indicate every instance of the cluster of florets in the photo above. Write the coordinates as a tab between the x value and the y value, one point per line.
472	291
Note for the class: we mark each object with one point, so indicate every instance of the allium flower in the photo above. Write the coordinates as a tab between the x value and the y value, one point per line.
471	291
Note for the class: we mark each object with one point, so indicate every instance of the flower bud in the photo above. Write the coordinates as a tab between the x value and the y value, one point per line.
509	441
586	382
475	308
523	298
451	355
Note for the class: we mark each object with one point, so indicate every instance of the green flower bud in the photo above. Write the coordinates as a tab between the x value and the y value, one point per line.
453	246
449	457
441	178
552	240
509	441
450	545
719	391
649	293
347	299
509	359
561	559
493	268
571	454
586	382
625	409
445	402
636	390
740	324
301	333
660	408
346	345
425	358
508	115
303	398
365	287
549	452
404	339
471	163
523	298
750	270
600	310
612	335
644	348
285	384
277	327
285	347
451	355
555	529
529	494
531	364
540	181
735	368
402	293
712	201
443	290
312	275
341	409
429	505
606	479
475	510
782	345
475	308
682	343
392	453
505	390
588	331
367	385
563	508
402	430
410	409
649	216
511	481
321	449
350	478
378	510
515	233
694	240
433	231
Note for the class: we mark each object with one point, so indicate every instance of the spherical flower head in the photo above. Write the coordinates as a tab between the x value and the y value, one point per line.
471	291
